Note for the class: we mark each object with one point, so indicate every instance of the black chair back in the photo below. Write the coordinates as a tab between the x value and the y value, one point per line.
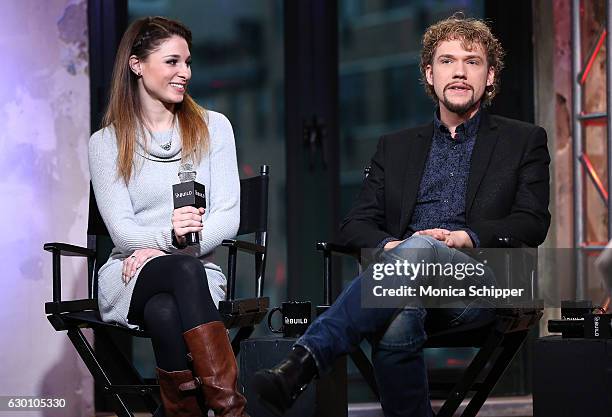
103	245
253	219
254	203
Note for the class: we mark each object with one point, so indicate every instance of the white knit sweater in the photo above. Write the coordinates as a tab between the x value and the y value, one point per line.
138	215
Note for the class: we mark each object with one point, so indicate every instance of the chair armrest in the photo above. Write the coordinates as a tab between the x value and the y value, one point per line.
516	319
71	306
336	248
244	246
328	250
259	252
65	249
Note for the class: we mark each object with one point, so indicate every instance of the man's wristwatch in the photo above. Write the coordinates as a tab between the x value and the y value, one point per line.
175	241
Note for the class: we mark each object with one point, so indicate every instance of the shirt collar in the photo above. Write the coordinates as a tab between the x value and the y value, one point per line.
467	129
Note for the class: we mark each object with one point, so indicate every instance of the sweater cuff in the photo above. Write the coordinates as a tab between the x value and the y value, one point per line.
474	237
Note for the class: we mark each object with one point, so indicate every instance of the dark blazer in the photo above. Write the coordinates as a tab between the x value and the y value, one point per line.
507	192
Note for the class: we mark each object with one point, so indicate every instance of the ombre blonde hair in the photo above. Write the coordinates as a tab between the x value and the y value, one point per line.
124	111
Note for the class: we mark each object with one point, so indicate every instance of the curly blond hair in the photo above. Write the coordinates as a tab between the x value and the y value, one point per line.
470	32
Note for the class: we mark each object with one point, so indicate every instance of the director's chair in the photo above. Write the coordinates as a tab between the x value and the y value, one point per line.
109	367
498	340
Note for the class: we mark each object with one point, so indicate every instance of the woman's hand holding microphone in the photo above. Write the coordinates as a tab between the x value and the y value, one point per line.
185	220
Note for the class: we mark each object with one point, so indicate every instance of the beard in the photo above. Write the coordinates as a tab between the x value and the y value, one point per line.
459	108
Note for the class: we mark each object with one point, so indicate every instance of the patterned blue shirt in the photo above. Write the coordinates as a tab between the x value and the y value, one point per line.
441	196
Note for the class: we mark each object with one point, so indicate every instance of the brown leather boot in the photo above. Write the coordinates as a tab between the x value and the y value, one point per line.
177	403
215	368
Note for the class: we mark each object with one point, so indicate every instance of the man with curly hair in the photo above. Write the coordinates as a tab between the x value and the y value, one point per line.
464	180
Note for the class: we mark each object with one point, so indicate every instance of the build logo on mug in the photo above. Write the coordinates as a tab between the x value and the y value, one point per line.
295	318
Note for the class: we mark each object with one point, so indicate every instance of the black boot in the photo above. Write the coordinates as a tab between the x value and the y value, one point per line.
279	387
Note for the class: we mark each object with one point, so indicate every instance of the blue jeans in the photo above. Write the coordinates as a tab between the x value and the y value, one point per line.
398	335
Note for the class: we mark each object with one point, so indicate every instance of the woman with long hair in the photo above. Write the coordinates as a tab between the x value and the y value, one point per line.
153	280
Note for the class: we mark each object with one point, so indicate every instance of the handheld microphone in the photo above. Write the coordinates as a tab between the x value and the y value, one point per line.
189	192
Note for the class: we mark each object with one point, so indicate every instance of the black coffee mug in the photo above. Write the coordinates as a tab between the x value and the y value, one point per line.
295	316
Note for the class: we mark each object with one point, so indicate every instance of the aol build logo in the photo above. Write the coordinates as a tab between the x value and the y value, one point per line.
301	320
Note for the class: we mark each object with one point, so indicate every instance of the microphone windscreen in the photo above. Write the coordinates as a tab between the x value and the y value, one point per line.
186	172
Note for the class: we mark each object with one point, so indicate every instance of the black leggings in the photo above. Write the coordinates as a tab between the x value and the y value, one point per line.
170	297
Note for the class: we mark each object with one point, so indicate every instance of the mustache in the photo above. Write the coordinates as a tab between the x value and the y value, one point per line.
466	85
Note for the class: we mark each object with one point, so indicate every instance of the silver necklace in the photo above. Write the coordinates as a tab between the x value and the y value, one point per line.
166	146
